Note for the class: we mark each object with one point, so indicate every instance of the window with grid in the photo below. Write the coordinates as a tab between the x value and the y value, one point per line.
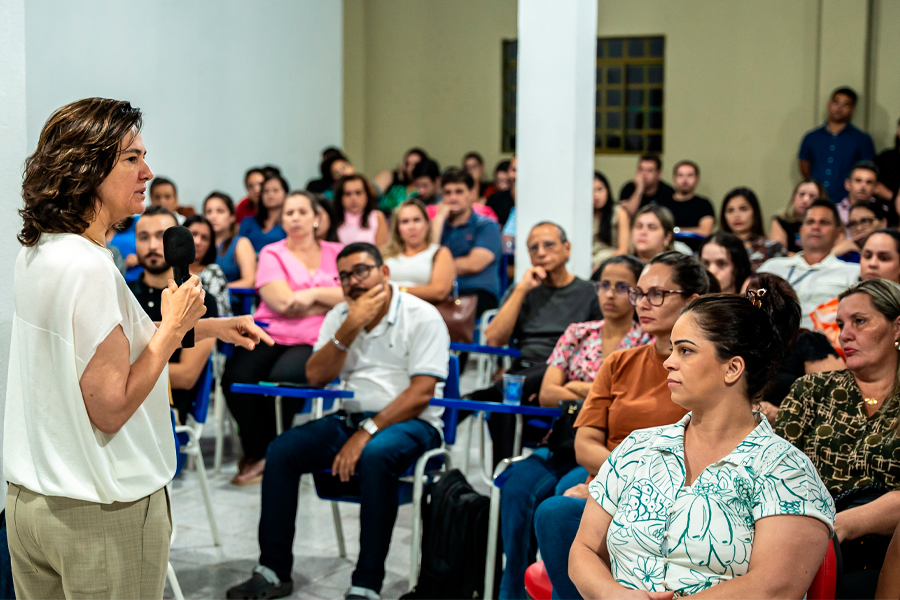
629	100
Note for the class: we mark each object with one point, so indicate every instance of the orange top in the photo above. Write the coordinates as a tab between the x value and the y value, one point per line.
629	393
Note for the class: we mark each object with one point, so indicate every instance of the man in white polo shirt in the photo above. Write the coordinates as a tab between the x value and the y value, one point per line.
392	351
816	274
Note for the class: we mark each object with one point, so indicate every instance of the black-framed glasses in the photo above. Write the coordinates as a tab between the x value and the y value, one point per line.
864	222
549	246
360	271
619	289
655	296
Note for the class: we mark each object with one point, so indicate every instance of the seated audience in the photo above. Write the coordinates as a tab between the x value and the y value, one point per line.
815	273
265	226
766	516
827	153
888	163
630	392
473	163
860	187
391	349
534	313
253	180
881	256
234	254
186	364
865	217
164	193
325	182
356	217
653	232
426	178
604	224
502	201
723	255
473	240
297	286
693	213
501	179
785	228
741	215
846	422
889	580
204	266
325	231
478	206
571	369
121	237
395	186
646	187
418	265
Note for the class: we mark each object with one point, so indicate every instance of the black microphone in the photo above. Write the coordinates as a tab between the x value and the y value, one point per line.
179	252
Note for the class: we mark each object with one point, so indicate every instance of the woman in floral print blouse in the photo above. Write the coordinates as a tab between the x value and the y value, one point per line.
848	423
715	505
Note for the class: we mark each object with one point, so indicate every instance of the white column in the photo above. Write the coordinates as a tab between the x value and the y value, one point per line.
555	123
12	156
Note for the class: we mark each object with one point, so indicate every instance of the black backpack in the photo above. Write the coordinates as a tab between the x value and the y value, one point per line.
454	541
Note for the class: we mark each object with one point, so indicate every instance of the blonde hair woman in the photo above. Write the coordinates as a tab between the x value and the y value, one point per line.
419	266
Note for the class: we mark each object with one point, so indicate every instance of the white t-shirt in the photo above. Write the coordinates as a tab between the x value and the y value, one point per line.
415	270
410	340
69	297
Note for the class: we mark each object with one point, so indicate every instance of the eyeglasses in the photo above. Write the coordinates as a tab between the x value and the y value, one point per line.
655	296
360	271
619	289
864	222
548	245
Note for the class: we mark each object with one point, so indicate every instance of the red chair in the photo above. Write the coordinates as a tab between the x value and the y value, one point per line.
823	587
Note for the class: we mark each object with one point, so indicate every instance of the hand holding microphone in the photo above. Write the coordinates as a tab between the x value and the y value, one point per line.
182	303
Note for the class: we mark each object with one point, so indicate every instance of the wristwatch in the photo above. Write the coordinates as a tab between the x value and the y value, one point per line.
369	426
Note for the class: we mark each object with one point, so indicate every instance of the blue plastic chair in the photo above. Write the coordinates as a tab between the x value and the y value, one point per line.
427	467
188	440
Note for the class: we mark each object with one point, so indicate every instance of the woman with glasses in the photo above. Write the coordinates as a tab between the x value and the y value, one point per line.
629	392
571	369
298	284
865	217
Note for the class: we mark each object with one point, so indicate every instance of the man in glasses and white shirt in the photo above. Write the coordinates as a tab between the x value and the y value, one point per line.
392	350
816	274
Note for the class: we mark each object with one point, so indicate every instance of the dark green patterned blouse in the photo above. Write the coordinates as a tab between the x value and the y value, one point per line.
824	416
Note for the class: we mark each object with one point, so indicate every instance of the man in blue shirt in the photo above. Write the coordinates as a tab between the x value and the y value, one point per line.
473	240
830	151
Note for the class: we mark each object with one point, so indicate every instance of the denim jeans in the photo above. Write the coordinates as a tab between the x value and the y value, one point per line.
556	522
531	482
311	448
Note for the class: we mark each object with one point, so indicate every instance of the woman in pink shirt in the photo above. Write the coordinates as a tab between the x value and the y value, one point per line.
356	216
297	282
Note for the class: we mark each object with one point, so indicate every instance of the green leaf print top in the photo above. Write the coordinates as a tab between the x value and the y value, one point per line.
666	536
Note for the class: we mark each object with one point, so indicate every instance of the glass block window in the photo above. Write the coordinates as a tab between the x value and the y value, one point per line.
629	99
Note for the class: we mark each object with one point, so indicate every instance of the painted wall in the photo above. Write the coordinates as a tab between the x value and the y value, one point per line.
744	80
224	84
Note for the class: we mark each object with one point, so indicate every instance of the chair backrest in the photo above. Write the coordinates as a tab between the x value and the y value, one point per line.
824	584
201	404
451	390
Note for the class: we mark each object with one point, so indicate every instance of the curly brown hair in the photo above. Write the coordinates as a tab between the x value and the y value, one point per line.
77	150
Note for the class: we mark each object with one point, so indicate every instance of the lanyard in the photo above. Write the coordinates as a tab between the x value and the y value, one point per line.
799	279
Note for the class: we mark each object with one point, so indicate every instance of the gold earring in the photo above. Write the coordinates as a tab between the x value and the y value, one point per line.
897	345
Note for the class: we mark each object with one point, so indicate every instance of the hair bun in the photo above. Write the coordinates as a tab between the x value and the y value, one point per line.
775	296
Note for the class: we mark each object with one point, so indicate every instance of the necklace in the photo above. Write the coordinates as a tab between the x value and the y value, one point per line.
86	236
871	401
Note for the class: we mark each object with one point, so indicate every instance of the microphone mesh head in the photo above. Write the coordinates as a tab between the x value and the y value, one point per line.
178	246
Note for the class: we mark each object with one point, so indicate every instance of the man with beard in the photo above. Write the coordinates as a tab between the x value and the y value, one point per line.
186	364
391	350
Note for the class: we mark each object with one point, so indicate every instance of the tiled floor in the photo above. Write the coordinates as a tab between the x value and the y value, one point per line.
205	571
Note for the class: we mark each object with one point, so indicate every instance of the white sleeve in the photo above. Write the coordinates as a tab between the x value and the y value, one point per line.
96	308
429	347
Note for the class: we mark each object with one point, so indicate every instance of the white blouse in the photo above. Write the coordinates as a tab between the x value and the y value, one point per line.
415	270
69	297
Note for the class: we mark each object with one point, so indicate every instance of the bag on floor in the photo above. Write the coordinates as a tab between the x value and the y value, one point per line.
454	541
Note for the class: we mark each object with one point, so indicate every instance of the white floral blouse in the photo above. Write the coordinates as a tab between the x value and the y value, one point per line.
666	536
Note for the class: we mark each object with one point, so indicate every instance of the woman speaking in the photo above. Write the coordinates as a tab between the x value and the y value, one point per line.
88	446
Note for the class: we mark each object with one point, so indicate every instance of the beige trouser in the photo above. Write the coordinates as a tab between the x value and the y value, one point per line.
65	548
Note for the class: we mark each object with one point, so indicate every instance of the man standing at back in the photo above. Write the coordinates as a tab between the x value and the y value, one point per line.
829	152
816	274
647	187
